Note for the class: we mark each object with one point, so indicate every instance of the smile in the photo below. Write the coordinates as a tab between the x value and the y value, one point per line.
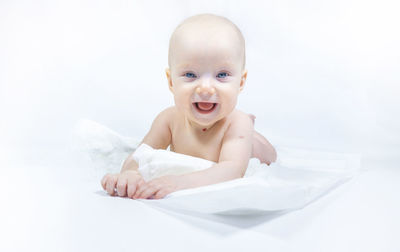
205	107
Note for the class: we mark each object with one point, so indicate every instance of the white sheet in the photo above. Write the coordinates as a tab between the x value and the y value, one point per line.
297	178
60	208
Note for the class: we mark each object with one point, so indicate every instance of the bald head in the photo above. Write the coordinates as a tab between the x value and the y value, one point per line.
208	30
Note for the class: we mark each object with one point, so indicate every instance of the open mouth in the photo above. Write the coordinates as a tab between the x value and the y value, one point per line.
205	107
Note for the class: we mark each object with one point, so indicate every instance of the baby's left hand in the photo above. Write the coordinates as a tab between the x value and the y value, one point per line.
158	188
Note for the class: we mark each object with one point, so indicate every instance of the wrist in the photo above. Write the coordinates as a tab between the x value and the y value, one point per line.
130	170
129	165
186	181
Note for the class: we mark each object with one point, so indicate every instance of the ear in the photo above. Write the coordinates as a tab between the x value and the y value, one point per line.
168	73
243	80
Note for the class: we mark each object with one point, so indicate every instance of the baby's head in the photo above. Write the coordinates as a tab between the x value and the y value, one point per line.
206	68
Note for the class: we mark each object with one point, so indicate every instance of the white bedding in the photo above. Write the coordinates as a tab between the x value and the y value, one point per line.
296	179
59	208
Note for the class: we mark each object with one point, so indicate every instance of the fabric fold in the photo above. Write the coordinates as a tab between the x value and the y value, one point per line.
298	177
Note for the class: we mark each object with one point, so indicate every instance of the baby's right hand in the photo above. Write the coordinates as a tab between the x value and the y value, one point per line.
126	183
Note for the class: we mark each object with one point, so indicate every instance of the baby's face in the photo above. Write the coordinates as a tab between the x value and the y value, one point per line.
206	75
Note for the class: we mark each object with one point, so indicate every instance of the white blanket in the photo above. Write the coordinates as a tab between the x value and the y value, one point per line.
296	179
155	163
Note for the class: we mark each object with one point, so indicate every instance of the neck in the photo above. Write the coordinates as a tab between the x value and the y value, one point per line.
200	129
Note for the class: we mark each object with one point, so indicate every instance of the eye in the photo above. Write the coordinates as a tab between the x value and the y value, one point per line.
190	75
222	75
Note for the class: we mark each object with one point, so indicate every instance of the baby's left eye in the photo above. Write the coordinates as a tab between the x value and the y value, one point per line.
222	75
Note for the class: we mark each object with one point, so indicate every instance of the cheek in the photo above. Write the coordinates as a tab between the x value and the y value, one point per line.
182	98
230	99
232	102
230	94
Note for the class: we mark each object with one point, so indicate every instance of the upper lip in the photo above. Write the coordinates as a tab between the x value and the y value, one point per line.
198	99
204	98
204	101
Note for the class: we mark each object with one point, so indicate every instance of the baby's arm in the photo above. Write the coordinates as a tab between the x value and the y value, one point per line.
234	156
129	179
233	160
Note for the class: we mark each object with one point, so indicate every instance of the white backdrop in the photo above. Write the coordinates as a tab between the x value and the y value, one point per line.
322	74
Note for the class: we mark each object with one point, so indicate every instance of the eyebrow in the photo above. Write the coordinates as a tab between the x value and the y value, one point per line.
184	65
189	65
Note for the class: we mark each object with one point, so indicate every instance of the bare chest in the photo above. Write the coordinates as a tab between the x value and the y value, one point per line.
207	145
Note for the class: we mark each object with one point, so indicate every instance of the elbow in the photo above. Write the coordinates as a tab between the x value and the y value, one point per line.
242	170
241	174
239	170
270	157
274	155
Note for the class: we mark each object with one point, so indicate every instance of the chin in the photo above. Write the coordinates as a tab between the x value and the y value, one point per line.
204	123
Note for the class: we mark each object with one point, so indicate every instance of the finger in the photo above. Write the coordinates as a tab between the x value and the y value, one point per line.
111	182
121	186
131	189
133	185
141	186
140	190
161	194
150	191
104	181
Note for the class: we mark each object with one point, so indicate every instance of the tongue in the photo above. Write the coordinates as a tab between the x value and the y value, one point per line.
205	105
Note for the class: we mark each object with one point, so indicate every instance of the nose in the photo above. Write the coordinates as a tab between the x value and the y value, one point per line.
205	88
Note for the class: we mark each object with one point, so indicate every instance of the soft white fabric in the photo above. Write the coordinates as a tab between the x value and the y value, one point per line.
155	163
106	149
287	184
296	179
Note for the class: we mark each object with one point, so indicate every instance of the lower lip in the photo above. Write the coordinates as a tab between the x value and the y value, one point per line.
205	111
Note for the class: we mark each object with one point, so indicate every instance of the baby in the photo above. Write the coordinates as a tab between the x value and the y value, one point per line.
206	74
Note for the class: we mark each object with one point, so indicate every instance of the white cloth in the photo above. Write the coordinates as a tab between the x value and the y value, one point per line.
263	188
155	163
296	179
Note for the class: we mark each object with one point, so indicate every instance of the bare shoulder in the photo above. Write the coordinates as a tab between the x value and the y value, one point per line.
159	136
168	113
237	141
240	124
240	117
162	119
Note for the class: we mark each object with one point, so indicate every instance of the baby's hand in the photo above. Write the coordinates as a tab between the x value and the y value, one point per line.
124	184
158	188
